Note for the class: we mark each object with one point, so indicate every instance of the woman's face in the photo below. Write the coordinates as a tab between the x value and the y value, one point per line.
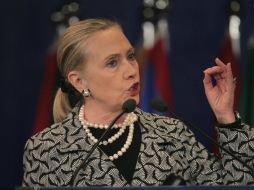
111	71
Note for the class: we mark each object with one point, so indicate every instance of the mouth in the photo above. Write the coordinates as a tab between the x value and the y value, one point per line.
134	89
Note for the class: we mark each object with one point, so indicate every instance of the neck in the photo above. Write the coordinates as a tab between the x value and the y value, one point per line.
100	114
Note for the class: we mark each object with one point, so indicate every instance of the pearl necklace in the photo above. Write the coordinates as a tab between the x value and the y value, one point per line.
125	146
129	121
101	126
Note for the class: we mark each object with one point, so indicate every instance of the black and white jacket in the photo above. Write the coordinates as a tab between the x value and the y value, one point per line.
51	156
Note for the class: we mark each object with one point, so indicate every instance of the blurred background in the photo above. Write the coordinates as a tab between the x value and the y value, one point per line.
175	40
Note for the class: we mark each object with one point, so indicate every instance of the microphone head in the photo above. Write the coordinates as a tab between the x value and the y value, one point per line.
129	105
159	105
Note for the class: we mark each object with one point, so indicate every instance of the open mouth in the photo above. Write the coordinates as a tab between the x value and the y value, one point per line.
134	89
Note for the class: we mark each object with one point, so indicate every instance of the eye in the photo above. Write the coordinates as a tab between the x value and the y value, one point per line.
111	63
131	56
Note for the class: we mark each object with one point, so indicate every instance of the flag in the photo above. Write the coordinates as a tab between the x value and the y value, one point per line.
159	59
156	81
43	116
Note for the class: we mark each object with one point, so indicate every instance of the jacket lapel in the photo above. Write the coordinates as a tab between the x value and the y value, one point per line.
154	164
73	149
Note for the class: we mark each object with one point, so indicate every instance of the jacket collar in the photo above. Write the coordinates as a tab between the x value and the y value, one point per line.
74	136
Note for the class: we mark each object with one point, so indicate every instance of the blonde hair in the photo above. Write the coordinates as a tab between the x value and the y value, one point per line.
71	55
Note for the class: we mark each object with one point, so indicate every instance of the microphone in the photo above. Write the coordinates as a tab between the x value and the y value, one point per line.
127	107
160	106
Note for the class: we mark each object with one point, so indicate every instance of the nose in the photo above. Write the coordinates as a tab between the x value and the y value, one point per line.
131	70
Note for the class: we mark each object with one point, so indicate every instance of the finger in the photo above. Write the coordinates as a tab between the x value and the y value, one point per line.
217	73
228	75
219	62
229	71
220	82
214	70
218	77
223	66
230	80
207	81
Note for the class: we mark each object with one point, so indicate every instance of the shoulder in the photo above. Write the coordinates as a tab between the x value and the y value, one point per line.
162	123
164	129
50	136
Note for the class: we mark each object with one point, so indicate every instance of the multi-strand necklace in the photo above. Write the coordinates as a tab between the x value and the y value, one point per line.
129	121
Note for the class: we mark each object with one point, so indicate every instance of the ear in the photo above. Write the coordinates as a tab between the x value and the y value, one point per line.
77	81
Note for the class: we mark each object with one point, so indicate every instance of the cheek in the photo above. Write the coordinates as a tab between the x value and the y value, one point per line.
105	83
108	85
116	85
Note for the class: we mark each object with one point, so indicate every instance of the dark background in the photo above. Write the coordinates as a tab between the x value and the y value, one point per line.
197	29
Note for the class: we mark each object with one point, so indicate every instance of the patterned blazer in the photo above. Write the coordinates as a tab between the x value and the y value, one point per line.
51	156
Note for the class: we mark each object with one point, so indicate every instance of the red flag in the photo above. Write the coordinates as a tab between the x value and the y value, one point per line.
158	57
43	116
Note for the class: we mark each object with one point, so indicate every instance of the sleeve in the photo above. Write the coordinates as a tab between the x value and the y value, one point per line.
34	166
200	167
239	141
27	164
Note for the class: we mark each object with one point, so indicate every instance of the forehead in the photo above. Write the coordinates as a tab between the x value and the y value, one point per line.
106	42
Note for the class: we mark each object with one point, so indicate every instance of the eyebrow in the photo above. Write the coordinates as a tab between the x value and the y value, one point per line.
130	50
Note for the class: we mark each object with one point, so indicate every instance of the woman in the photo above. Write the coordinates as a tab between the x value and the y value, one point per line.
96	60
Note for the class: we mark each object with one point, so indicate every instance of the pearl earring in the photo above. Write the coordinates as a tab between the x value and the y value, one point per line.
86	93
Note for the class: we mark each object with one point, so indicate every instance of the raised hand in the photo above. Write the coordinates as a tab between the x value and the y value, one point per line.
221	94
